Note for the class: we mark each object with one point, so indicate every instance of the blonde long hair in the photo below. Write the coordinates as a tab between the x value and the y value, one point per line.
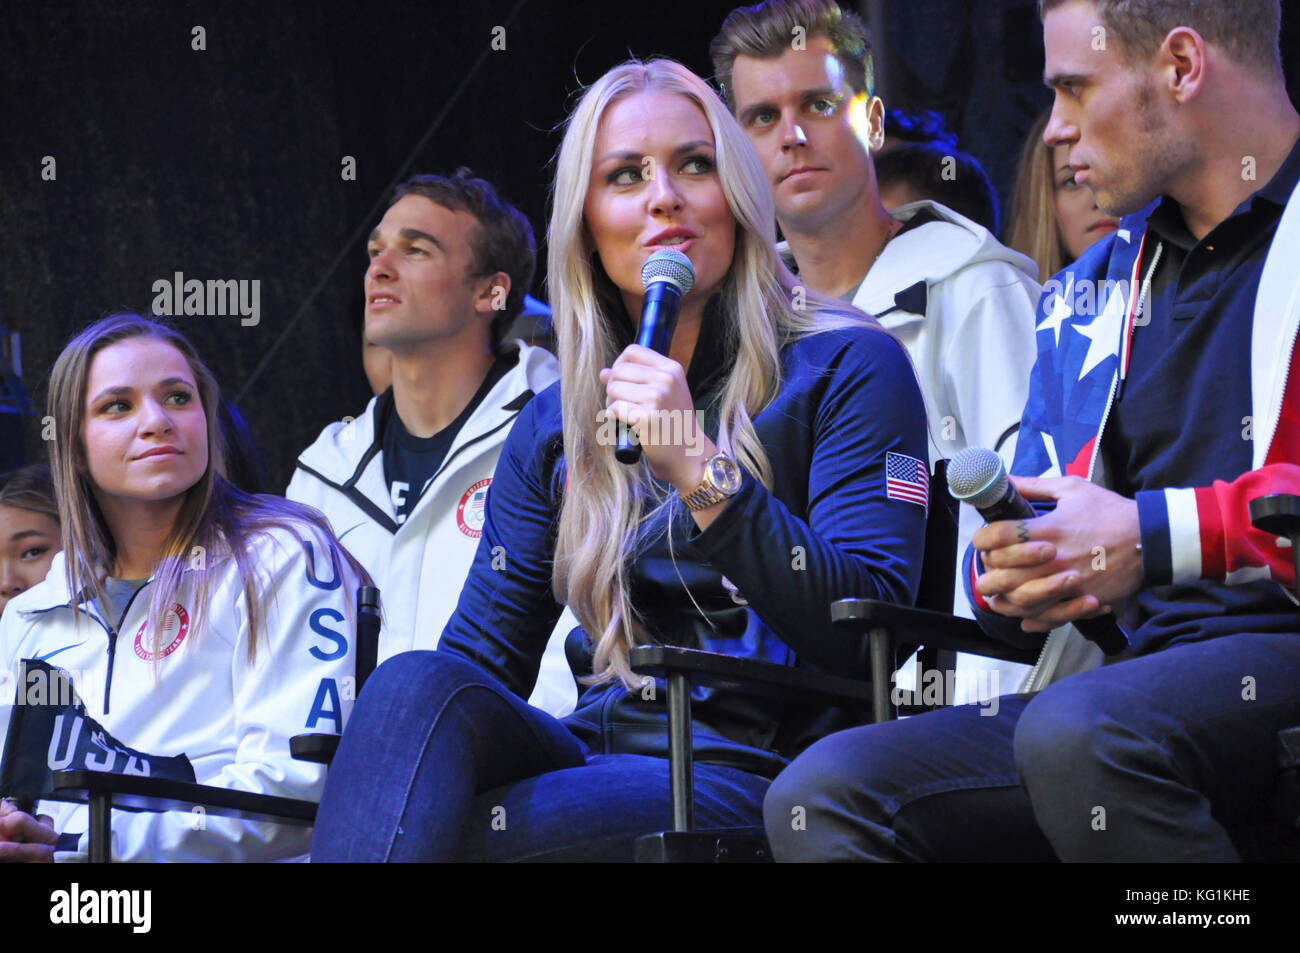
215	515
606	502
1034	229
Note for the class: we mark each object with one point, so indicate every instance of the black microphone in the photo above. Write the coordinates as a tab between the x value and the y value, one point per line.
978	476
667	277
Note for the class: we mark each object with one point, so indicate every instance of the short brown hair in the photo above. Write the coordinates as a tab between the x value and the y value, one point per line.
1247	29
767	30
503	240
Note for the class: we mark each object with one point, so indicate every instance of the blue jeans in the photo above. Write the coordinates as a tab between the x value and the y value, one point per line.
1170	756
441	762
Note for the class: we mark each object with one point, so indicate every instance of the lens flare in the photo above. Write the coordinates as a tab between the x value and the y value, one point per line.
858	116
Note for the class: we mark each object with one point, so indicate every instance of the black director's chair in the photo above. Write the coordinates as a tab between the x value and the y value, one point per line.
885	633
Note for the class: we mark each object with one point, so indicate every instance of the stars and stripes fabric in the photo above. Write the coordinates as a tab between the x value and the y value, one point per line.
907	479
1085	316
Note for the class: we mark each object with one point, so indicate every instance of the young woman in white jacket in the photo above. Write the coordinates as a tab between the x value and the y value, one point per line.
193	619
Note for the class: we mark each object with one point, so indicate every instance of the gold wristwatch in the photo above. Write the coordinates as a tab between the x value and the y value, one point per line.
721	481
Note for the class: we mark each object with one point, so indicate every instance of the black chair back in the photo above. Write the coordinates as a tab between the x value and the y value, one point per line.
368	624
938	571
938	566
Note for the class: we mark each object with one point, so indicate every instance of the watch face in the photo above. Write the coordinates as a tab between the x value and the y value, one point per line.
724	474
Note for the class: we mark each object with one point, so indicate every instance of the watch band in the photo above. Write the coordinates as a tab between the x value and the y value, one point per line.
703	496
709	492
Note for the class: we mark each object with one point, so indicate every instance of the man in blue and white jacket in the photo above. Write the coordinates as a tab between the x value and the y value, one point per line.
404	485
1166	372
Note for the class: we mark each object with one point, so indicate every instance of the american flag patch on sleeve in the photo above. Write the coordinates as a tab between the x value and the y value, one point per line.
907	479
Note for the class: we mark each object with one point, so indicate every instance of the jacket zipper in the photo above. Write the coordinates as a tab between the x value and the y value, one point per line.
112	643
367	506
459	450
1281	405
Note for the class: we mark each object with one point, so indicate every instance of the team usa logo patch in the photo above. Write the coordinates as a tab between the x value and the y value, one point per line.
176	626
907	478
472	509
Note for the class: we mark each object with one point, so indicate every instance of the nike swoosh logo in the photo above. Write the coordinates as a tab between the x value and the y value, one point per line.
350	529
50	655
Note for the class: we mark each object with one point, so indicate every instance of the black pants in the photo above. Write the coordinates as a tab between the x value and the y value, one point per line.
1170	756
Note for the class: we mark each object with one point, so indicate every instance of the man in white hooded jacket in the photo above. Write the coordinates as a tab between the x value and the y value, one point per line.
404	485
797	74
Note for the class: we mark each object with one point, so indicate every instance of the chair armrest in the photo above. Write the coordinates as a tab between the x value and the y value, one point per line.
316	748
133	793
749	676
1278	513
924	627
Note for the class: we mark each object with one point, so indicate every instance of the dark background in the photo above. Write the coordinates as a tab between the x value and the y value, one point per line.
225	163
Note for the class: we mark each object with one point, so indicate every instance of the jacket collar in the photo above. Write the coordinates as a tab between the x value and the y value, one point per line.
897	289
902	279
1276	320
346	450
53	592
1274	327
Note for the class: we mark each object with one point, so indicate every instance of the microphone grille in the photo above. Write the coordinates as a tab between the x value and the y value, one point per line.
977	476
671	266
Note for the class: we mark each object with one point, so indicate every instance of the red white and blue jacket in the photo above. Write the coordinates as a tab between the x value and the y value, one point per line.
1086	322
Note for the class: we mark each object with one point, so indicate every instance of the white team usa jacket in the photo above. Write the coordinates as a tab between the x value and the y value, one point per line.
420	565
232	719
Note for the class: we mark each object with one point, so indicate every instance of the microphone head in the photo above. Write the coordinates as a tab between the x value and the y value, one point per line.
977	476
670	266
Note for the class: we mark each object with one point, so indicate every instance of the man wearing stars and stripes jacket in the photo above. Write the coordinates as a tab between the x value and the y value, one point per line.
1165	397
1207	576
1188	533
